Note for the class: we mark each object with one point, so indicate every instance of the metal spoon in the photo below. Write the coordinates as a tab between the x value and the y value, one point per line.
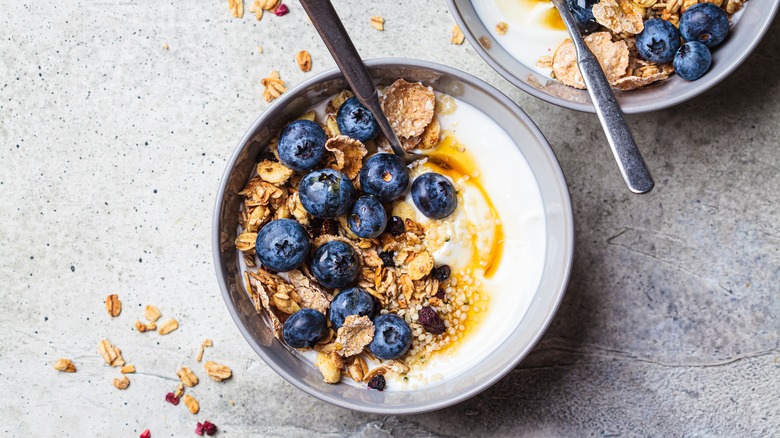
336	39
629	159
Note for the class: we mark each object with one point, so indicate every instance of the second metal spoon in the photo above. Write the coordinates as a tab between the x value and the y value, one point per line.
629	159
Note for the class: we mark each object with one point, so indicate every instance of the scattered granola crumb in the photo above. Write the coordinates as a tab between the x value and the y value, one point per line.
485	42
217	372
187	377
378	23
110	354
206	343
152	313
501	28
113	305
260	49
122	383
65	365
456	35
165	46
257	9
192	404
127	369
141	327
179	390
274	86
168	326
236	8
282	10
304	61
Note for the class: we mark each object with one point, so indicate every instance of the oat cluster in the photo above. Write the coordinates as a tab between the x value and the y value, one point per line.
397	268
615	46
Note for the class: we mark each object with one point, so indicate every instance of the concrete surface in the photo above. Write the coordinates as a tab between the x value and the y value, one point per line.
112	149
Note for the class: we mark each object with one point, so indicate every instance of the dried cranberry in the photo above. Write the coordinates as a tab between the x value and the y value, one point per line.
199	429
440	294
209	428
431	321
377	382
387	259
171	398
441	273
145	434
395	226
281	10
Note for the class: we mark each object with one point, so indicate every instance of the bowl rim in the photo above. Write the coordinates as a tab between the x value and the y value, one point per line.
568	219
710	82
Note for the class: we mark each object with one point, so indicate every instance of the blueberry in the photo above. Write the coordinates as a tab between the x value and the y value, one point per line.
301	145
392	337
692	60
326	193
384	176
304	328
352	301
705	23
659	41
282	245
582	10
335	264
356	121
434	195
367	219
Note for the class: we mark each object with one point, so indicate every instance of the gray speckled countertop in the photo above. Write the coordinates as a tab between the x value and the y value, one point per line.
112	150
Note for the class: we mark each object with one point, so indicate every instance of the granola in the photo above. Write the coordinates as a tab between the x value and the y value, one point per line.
613	42
397	268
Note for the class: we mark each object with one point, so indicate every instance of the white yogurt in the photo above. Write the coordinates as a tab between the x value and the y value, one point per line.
514	194
527	38
507	177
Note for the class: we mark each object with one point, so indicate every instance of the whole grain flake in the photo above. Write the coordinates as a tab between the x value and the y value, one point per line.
187	377
274	86
122	383
192	404
501	28
236	8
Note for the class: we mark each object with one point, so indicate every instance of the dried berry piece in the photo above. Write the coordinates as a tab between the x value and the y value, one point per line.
145	434
440	294
377	382
431	321
281	10
395	226
387	259
206	427
441	273
171	398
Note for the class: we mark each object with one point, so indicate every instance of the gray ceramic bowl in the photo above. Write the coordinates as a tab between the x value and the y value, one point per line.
744	37
529	329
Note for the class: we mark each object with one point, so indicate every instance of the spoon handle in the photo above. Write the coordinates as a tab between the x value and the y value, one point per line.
629	159
336	39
